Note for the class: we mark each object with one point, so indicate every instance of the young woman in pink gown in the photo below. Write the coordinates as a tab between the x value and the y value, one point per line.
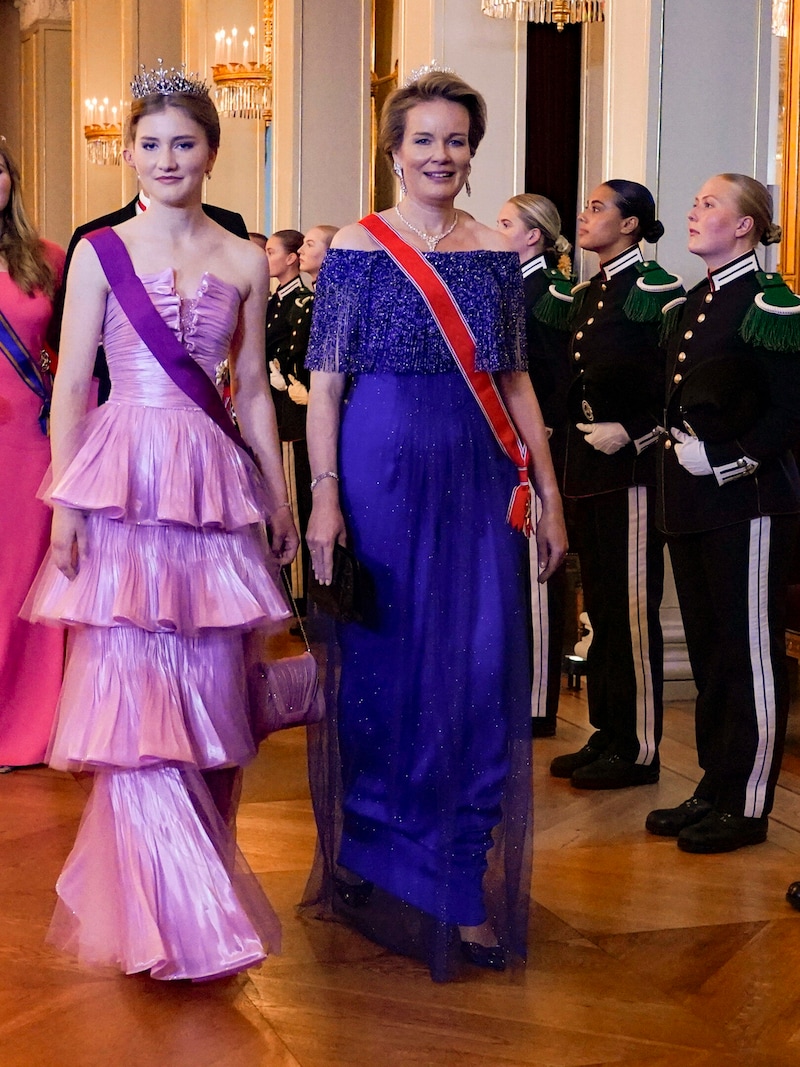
160	567
31	657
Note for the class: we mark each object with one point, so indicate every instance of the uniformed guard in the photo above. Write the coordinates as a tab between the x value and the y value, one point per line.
729	496
288	326
615	405
531	226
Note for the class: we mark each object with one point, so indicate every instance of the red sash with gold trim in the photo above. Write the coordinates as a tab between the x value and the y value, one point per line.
461	342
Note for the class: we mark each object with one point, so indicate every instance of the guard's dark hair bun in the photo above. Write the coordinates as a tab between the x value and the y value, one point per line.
654	232
634	199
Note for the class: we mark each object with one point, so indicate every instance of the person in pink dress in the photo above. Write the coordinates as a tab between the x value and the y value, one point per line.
31	657
160	563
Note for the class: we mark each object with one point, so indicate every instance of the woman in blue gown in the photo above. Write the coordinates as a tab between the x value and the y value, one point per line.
423	793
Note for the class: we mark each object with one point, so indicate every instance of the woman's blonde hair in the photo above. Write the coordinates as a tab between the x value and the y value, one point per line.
539	213
434	85
20	244
755	200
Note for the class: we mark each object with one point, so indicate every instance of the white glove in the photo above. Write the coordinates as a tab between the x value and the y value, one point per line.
276	379
607	437
297	391
690	452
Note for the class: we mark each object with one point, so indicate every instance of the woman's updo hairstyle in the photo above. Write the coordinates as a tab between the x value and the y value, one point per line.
538	213
755	200
634	199
199	107
433	85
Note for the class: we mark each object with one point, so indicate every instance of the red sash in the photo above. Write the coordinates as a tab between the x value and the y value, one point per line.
458	336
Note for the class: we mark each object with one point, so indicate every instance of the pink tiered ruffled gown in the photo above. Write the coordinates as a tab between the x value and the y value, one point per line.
154	692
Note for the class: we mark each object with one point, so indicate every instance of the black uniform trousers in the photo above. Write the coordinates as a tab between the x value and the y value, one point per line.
731	586
622	571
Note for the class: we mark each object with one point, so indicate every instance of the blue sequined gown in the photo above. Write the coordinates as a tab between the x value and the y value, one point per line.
434	693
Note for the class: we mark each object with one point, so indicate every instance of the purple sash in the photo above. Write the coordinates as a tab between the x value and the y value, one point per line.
162	342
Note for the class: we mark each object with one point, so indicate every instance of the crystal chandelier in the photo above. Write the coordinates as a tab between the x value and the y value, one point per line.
242	71
561	12
103	132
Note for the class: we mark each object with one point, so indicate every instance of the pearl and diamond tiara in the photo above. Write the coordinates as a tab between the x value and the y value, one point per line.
166	82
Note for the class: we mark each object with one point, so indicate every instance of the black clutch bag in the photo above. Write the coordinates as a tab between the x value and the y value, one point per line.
350	595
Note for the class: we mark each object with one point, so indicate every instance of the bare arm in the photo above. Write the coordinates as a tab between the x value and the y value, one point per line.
551	535
256	412
84	310
326	525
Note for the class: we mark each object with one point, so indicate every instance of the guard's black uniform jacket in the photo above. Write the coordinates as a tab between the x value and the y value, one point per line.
288	327
618	368
709	328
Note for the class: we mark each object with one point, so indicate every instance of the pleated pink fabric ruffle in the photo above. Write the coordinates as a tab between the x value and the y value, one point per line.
151	884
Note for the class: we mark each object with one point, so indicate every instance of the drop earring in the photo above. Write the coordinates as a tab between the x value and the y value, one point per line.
399	172
467	188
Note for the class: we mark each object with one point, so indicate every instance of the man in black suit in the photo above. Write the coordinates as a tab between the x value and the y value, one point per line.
229	220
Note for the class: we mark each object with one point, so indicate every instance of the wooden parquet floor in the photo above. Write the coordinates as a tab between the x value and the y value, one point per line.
640	955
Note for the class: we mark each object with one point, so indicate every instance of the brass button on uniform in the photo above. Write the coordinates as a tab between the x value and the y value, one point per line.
681	357
709	297
604	287
701	317
678	378
590	321
687	335
599	304
577	355
579	335
668	443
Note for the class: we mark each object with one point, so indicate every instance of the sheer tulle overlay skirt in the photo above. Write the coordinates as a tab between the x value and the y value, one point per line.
421	774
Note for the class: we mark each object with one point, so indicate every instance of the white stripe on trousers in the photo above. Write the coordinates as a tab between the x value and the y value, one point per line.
540	618
637	617
761	665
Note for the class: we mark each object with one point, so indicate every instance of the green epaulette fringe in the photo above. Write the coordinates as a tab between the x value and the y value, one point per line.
654	288
554	307
773	319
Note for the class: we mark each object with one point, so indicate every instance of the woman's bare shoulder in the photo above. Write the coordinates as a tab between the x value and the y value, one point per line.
483	237
354	238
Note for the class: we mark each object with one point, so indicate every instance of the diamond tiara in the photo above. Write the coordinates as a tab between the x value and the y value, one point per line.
166	82
429	68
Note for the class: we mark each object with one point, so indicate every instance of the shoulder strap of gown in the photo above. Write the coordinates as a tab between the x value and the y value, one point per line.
160	340
459	339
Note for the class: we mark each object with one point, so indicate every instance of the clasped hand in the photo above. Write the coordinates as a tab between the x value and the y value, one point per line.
690	453
606	437
297	391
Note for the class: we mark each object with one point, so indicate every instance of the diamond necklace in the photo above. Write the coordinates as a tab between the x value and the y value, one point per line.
430	239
